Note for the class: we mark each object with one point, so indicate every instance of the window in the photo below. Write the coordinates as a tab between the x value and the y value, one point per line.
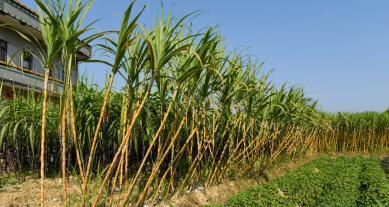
3	51
61	75
27	60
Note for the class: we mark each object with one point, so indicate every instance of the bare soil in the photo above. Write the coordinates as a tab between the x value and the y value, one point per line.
27	193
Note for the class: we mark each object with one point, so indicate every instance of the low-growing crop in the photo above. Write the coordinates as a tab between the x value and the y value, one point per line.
374	188
326	181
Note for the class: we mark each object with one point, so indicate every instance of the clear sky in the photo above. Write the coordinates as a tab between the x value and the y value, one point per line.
338	51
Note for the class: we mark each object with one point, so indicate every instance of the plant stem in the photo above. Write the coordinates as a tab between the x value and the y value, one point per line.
43	136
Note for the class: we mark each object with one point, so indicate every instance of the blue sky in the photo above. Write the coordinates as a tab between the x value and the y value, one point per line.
338	51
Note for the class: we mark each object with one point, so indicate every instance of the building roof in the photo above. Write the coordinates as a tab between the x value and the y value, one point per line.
32	12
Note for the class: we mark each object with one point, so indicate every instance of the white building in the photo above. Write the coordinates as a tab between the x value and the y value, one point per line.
25	72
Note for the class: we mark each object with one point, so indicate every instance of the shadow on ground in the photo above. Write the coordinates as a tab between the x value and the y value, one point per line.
385	164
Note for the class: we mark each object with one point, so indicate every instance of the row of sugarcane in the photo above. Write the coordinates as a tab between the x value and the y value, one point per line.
190	113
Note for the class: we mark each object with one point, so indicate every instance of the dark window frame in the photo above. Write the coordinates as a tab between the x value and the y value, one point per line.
3	50
61	75
28	57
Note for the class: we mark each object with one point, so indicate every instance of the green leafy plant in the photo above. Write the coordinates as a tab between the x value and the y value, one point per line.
323	182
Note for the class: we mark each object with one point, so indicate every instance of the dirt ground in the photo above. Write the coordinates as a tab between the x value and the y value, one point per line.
27	193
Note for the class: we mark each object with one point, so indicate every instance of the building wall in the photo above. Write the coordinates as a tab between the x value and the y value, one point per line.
14	9
19	16
6	92
16	44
